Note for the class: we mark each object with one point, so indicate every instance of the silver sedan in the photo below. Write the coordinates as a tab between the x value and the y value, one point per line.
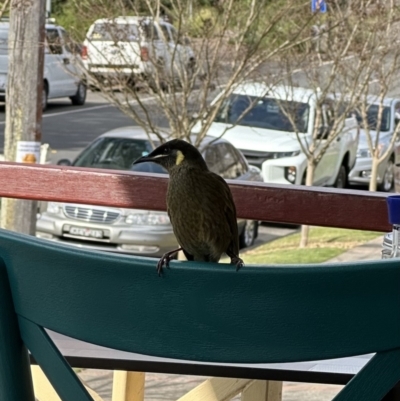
140	232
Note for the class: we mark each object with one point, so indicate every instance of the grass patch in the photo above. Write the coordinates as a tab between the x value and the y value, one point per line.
324	244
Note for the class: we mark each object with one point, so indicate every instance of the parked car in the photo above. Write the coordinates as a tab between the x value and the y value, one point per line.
361	172
133	47
61	66
132	231
266	136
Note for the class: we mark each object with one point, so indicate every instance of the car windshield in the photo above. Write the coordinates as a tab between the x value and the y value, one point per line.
372	118
115	32
3	43
113	153
265	113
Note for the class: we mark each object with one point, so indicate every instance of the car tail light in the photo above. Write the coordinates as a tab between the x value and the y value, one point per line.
84	52
144	54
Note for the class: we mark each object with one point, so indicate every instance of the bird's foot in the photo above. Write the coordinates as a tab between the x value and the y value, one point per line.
165	259
235	260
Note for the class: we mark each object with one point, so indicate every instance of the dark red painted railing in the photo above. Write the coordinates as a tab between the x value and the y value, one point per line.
276	203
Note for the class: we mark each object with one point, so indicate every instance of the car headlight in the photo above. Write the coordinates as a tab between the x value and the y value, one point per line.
53	207
147	219
290	174
363	153
279	155
367	153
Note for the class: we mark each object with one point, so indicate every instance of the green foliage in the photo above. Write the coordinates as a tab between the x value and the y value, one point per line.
205	22
204	19
76	16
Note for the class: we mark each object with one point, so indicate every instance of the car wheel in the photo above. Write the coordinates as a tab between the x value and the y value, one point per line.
189	70
155	88
45	95
248	234
341	179
388	177
159	81
80	97
303	180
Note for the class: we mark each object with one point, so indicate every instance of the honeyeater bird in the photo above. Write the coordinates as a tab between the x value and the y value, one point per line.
199	204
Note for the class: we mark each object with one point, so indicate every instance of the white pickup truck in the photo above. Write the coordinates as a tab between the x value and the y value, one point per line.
133	47
61	69
266	136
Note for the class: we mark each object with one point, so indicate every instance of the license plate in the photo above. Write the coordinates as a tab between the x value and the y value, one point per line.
86	232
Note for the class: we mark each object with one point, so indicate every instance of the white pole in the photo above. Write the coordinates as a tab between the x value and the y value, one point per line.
48	8
190	9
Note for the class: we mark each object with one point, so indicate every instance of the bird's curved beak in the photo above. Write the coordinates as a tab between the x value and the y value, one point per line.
149	158
142	160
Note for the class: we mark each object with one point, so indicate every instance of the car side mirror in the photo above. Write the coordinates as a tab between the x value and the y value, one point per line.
323	132
254	169
56	49
64	162
195	116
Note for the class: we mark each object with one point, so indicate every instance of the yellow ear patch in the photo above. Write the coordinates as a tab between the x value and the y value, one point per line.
179	157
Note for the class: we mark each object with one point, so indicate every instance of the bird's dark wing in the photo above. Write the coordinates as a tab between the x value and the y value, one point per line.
186	253
230	214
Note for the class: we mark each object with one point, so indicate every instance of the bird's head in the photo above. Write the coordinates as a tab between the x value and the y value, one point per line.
175	154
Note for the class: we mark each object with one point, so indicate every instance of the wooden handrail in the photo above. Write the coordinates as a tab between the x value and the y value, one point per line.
259	201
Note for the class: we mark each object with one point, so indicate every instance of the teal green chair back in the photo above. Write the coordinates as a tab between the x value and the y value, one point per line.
196	311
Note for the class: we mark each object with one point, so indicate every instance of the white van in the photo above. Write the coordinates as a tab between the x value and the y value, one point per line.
61	71
132	47
267	139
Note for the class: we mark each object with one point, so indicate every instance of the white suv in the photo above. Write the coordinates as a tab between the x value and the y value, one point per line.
361	172
61	61
266	136
133	47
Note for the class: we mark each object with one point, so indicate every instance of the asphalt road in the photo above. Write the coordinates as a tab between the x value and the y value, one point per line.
68	128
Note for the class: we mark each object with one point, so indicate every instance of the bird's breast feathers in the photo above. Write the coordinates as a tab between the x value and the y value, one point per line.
197	205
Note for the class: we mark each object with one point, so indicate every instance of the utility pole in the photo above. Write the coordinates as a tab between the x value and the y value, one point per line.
24	103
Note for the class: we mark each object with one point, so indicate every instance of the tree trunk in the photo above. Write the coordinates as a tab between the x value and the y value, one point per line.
309	182
374	175
24	102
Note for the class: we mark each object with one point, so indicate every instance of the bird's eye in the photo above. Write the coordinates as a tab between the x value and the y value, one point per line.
166	150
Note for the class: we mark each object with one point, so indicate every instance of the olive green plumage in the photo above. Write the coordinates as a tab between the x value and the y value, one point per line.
199	204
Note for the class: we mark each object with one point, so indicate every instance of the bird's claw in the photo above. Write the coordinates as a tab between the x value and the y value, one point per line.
164	261
238	262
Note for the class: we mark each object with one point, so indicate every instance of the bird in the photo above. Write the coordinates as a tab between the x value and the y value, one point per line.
199	204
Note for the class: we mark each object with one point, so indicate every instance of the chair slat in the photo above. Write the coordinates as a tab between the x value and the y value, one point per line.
53	364
15	375
375	379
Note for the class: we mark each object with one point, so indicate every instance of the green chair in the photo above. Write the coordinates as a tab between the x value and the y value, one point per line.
196	311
